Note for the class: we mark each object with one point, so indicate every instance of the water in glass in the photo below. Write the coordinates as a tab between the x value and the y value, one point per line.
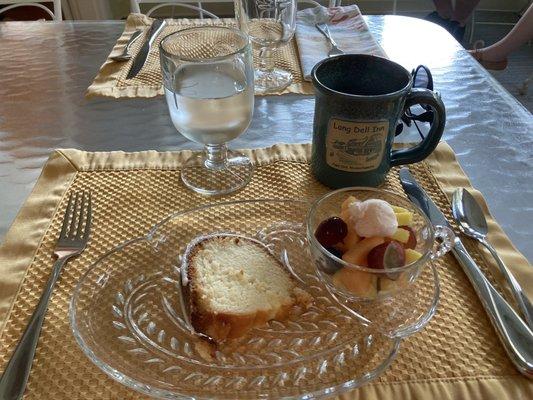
210	105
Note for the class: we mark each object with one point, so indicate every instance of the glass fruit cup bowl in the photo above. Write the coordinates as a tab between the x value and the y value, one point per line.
376	268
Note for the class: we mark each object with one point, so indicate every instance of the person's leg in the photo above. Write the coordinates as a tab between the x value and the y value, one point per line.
461	13
463	10
444	8
442	15
520	34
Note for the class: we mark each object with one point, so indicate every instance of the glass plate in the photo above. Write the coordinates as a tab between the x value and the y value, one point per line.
126	316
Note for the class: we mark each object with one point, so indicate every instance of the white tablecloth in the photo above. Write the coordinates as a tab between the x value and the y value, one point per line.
46	68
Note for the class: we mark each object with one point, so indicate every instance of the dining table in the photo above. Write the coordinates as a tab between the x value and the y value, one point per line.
46	68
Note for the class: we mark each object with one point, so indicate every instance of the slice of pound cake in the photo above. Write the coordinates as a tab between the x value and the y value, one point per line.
235	284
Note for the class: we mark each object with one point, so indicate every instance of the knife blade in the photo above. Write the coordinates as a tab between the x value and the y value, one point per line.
142	55
515	335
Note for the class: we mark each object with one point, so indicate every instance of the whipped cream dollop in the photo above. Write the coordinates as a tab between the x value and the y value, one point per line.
373	217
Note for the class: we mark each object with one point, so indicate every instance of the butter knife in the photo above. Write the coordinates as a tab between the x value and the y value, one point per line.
142	55
515	335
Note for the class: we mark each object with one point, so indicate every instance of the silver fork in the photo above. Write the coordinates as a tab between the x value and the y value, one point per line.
125	56
72	241
324	30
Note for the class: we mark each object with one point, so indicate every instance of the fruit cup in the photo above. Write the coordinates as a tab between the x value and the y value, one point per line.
367	273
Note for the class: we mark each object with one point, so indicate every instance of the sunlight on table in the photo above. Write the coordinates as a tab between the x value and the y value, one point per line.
431	45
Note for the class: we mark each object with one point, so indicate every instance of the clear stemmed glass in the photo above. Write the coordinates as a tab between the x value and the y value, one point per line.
270	24
208	81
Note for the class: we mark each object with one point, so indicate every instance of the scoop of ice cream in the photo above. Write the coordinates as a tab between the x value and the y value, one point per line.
373	217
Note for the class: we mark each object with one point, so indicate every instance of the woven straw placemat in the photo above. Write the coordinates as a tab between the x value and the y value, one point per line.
457	356
111	79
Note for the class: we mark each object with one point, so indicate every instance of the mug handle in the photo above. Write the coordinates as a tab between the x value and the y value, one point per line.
428	144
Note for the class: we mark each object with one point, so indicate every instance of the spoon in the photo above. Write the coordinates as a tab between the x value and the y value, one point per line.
125	56
469	215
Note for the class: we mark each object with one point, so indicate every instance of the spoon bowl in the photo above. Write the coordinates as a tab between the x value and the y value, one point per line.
469	215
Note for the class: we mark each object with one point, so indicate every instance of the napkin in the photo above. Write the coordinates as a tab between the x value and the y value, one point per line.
347	27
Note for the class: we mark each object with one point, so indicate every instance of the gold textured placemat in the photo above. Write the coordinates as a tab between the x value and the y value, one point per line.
457	356
111	79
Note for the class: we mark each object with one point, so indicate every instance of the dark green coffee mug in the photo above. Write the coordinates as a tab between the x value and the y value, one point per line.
359	101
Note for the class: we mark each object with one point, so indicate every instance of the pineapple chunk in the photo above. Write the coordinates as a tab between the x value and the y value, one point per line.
401	235
359	283
404	218
411	256
399	210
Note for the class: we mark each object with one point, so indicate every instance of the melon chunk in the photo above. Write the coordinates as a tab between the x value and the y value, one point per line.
345	216
392	285
349	241
359	283
346	203
345	212
358	253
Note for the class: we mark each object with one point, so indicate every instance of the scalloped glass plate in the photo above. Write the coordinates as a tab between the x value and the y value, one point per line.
126	316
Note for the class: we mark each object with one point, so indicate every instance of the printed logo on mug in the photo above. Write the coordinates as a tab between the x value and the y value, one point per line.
359	101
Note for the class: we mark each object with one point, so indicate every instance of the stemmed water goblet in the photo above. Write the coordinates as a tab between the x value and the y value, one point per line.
208	82
270	24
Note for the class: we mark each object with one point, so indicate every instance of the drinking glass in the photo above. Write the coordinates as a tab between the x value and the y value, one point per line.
270	24
209	89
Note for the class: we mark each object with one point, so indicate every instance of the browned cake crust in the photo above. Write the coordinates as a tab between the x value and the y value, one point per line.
222	326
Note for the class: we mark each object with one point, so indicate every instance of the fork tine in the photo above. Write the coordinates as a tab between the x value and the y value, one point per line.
74	221
82	216
68	212
89	216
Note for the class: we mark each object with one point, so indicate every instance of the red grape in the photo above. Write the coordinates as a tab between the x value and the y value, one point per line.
331	231
388	255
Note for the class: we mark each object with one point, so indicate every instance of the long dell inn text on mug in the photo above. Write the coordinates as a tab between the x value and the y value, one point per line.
359	101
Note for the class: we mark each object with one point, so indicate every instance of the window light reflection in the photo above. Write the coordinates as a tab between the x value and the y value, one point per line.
429	43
